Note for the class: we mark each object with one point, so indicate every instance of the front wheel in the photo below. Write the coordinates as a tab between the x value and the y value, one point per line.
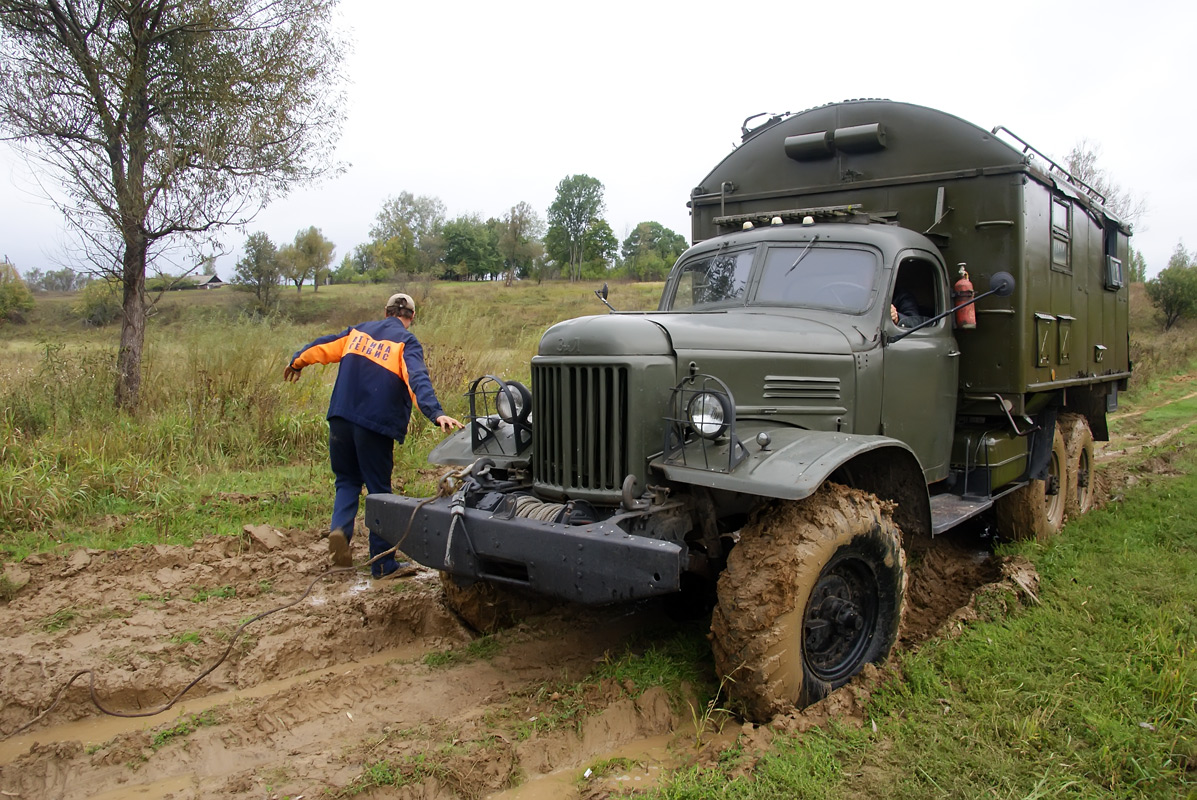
812	592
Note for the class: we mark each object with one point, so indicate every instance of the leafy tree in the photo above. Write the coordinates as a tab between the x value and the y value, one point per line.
258	268
164	120
412	225
649	246
346	271
1082	163
579	204
315	252
519	241
1174	291
1136	268
58	280
15	297
471	248
292	266
599	245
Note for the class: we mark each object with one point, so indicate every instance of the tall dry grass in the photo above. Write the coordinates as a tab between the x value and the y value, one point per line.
213	401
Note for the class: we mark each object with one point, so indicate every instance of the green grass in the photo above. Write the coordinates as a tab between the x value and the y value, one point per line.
395	773
484	647
184	727
1091	693
201	594
187	637
61	619
678	661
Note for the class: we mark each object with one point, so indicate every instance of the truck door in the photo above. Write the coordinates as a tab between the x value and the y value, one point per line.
918	404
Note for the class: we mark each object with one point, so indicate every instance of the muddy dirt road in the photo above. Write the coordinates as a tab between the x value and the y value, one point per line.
361	683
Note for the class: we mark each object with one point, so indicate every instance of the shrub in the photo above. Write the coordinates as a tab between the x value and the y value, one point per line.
15	297
99	303
1174	291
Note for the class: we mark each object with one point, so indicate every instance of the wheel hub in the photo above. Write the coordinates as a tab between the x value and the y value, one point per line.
842	607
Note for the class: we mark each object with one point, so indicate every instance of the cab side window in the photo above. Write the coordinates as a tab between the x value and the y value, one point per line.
916	297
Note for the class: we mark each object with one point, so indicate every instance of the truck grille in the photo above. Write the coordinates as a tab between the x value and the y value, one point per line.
580	426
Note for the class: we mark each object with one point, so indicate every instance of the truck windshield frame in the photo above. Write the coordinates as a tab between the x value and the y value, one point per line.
713	280
827	276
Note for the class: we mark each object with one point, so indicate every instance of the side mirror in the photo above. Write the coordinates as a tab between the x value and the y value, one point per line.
1001	284
601	294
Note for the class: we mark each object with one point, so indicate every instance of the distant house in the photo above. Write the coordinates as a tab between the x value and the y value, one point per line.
195	282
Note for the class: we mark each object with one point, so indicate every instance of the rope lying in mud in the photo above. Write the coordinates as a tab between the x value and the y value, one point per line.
444	488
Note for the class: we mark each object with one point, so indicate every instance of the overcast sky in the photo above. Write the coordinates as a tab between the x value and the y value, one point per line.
486	104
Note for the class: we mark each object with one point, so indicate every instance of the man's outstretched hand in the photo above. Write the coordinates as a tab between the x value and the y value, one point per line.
447	423
290	374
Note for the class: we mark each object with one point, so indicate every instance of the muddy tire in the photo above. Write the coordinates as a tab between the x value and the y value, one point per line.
1078	449
488	607
813	591
1036	511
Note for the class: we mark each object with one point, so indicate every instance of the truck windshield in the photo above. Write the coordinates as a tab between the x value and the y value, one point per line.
823	276
717	278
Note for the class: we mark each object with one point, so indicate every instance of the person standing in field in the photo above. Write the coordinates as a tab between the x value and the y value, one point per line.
381	375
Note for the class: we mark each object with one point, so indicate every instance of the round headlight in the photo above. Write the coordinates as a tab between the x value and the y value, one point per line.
708	413
512	401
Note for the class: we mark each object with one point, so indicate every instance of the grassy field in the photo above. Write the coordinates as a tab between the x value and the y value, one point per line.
1090	693
217	422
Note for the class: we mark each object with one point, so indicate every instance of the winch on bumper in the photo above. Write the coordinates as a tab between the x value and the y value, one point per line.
594	563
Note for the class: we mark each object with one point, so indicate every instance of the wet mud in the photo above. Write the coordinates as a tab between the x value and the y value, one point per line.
313	698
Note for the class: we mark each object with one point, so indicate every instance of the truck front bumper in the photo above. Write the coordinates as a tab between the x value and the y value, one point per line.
592	564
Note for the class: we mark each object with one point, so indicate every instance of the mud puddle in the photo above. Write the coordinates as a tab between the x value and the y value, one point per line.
362	684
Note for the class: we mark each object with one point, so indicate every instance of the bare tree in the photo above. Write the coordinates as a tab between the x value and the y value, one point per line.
165	120
520	240
1082	163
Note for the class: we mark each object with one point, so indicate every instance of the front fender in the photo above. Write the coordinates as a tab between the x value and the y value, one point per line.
796	463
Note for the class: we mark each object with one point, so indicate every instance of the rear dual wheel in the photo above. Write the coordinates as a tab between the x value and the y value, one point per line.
812	592
1078	448
1036	511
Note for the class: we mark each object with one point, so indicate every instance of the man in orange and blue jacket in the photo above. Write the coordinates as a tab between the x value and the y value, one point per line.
381	375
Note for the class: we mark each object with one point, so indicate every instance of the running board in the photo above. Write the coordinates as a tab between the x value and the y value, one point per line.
949	510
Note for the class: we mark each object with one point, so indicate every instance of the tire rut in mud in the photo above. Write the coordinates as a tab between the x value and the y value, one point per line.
309	699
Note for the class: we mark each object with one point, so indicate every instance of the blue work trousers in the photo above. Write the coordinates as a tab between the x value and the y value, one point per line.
359	457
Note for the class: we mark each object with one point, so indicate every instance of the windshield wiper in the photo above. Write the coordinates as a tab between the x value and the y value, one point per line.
802	255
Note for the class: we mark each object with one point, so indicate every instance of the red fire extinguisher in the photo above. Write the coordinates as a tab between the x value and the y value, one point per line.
962	292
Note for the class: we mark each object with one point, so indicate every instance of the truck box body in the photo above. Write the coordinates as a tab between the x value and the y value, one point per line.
982	201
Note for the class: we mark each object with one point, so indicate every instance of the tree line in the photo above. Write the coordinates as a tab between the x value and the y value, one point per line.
413	236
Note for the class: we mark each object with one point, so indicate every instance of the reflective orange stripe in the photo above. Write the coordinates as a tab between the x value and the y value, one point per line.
383	352
327	353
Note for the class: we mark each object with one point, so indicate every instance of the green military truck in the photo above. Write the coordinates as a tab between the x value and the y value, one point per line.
820	390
